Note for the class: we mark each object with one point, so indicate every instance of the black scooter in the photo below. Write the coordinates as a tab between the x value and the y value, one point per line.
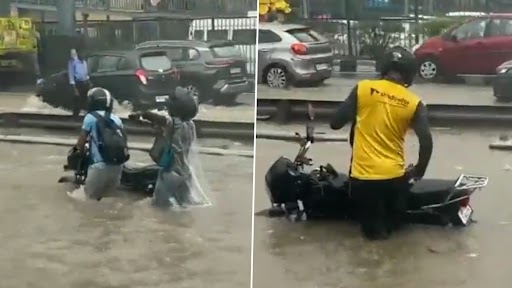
137	179
324	192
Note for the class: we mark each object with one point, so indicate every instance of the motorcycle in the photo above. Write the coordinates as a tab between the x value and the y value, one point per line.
323	192
138	179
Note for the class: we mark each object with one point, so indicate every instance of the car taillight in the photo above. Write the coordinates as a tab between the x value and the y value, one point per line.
219	63
142	76
299	49
464	202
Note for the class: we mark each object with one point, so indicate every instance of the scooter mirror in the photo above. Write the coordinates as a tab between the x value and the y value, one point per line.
310	133
311	112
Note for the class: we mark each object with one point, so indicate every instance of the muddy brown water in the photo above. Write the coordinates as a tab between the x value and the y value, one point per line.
333	254
51	240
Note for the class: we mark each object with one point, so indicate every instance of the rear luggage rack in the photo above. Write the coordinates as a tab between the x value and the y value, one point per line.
470	182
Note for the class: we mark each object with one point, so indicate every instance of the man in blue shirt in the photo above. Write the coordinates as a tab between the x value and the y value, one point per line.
102	178
79	80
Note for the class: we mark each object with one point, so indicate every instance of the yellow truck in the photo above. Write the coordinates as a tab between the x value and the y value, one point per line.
18	46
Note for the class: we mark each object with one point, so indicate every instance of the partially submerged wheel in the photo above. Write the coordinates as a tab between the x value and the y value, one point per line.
428	69
277	77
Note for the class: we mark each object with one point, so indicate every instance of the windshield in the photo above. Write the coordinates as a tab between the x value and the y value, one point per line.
155	61
305	35
225	51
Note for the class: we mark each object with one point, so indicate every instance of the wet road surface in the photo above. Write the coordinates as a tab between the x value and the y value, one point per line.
51	240
332	255
25	102
337	89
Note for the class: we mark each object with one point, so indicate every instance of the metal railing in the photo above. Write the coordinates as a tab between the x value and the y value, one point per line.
199	7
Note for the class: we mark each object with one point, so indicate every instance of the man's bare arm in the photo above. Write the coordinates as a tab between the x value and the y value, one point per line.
422	129
346	112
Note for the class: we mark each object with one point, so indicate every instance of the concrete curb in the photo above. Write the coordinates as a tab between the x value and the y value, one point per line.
500	145
133	146
290	136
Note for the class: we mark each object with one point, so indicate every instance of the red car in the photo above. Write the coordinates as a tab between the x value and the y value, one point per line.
477	46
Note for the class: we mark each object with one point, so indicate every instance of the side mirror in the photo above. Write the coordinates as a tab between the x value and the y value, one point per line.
310	133
311	112
453	38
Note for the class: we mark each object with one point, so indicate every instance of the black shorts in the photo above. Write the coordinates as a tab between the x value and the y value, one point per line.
381	204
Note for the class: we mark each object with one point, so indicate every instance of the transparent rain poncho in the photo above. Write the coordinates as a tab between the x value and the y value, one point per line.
184	184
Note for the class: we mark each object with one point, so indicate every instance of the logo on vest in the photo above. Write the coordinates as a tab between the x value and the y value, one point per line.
391	99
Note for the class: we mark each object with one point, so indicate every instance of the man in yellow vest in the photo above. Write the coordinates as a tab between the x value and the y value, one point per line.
381	112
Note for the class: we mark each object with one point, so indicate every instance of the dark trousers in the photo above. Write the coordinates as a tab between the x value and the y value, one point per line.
381	205
80	100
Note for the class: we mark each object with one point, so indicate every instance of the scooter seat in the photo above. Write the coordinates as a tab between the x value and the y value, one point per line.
432	186
433	191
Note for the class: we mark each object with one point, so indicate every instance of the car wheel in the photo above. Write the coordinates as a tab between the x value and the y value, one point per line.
277	77
225	99
429	69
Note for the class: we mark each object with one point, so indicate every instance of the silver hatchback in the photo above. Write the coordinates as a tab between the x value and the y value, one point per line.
292	54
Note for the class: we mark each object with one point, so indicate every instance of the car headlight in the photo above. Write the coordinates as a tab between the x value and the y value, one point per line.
502	70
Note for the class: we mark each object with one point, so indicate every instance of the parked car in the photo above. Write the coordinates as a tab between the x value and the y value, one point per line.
291	54
476	46
212	70
502	83
144	77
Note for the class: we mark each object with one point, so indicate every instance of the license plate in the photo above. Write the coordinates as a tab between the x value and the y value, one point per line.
322	66
235	70
160	99
465	214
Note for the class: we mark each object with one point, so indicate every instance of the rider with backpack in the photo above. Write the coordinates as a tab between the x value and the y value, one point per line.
171	148
108	148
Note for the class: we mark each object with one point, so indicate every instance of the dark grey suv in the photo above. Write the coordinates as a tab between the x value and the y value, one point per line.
213	71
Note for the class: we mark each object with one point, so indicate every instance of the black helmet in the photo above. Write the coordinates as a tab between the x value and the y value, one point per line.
401	61
182	104
99	99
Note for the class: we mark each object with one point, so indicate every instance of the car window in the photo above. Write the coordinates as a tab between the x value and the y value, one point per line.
155	61
267	36
470	30
217	35
108	63
92	63
225	51
193	54
176	54
305	35
124	64
499	27
244	36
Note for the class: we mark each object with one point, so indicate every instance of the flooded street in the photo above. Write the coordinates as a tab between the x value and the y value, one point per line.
51	240
332	255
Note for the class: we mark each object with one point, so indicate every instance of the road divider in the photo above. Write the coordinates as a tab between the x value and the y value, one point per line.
292	110
243	131
145	147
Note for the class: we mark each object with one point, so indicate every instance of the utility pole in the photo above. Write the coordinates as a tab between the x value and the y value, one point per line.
66	15
348	16
416	21
406	7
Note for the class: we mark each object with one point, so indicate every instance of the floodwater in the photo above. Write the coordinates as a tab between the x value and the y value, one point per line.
51	240
334	255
